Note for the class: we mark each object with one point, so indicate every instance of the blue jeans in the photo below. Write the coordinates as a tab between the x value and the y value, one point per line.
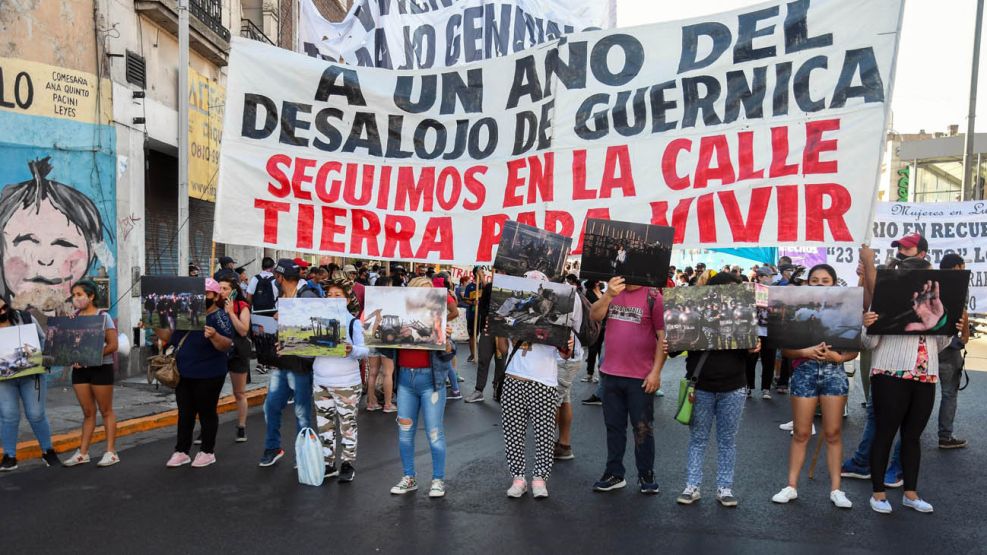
726	409
32	391
625	400
862	456
417	393
279	389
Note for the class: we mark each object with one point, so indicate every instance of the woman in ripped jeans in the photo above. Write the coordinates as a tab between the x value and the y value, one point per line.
421	392
818	377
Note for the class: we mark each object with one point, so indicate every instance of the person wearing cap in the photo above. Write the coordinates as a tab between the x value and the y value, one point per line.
292	376
700	269
632	374
359	290
530	393
93	385
912	245
951	368
201	356
225	263
765	275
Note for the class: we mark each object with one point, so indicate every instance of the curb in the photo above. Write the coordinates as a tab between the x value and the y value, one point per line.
69	441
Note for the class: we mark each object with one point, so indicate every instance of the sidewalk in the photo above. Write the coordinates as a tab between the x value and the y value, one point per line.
139	407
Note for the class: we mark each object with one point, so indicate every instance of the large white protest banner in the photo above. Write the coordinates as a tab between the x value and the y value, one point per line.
409	34
949	227
755	127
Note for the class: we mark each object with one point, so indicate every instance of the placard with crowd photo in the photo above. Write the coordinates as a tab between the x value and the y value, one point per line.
178	303
919	302
640	253
77	340
711	317
523	248
531	310
313	327
405	318
800	317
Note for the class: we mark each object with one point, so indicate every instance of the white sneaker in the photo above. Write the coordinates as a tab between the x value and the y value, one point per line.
766	394
787	426
406	485
518	487
438	489
109	459
76	459
786	495
539	488
839	499
881	506
918	504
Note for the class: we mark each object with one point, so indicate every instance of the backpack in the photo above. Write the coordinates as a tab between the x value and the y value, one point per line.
589	330
264	299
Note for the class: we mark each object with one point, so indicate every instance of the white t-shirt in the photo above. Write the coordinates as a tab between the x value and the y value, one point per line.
345	371
539	364
252	286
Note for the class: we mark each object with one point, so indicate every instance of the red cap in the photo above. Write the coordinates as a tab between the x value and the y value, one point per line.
301	263
910	241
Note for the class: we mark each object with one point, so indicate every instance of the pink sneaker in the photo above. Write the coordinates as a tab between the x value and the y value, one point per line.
203	459
178	459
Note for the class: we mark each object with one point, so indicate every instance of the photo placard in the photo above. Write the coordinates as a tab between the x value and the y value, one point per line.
77	340
531	310
800	317
523	248
640	253
177	303
711	317
919	302
313	327
405	318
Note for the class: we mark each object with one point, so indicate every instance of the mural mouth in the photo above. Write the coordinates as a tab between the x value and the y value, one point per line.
46	281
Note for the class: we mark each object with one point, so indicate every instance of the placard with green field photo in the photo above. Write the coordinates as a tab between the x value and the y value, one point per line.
313	327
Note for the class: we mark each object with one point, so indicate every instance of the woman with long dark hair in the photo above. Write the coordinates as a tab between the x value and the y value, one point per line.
93	385
238	311
818	378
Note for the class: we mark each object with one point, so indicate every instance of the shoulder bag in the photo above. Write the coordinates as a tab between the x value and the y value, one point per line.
687	393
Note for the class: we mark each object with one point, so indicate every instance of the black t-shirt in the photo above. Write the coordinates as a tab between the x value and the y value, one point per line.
723	370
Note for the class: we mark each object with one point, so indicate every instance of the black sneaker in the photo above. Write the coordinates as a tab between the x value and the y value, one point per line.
952	443
593	400
609	482
271	456
241	434
648	483
346	472
50	458
331	471
8	463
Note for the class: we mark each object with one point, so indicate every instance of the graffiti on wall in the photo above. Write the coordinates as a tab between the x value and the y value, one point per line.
57	184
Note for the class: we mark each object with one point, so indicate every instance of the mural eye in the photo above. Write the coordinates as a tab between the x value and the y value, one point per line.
25	237
64	243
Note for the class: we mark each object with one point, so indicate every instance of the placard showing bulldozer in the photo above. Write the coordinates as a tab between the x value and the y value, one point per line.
313	327
405	318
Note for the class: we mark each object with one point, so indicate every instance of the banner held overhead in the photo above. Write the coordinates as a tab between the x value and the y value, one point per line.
754	127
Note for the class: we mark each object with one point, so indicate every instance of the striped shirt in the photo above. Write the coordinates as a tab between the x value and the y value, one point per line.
899	353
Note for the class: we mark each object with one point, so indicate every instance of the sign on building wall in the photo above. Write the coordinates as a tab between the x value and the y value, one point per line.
57	184
755	127
205	129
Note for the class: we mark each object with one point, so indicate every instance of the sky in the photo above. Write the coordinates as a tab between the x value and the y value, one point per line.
934	57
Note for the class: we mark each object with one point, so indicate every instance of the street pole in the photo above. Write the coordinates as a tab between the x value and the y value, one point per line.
968	185
183	243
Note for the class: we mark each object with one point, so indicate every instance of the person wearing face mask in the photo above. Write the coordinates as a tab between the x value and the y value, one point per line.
93	385
28	388
238	364
202	365
818	378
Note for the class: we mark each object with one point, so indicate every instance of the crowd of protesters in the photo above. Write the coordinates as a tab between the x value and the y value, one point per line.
533	382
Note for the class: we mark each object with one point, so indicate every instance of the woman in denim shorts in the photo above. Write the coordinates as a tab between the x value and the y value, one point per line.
818	377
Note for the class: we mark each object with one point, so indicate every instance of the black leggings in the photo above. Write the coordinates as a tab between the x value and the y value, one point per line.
198	397
904	404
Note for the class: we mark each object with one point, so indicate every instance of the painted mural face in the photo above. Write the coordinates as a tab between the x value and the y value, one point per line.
50	235
42	261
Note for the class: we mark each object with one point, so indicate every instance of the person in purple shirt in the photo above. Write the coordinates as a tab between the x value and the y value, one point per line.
632	373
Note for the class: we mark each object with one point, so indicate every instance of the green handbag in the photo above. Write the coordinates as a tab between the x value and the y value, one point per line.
687	393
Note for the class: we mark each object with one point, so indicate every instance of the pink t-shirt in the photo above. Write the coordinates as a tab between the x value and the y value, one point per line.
632	333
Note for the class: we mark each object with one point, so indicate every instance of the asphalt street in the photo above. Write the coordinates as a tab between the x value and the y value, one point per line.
139	506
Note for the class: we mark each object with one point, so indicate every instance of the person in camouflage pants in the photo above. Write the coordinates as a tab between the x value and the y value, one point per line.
332	403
